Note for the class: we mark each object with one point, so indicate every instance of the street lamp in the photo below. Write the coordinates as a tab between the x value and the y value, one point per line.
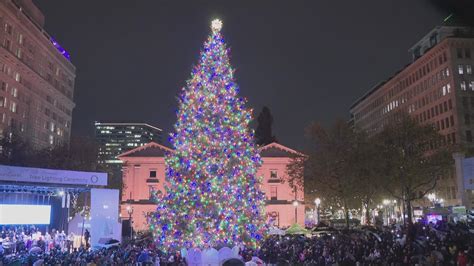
295	203
130	211
432	197
317	202
386	202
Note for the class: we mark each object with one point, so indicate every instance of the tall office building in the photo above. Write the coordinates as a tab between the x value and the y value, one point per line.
436	88
116	138
36	77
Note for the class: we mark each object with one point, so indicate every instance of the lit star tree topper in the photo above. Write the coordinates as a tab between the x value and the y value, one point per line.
214	197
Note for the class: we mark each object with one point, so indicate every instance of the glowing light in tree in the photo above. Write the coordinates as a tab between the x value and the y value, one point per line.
216	25
214	197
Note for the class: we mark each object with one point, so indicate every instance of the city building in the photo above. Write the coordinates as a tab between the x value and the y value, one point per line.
436	88
116	138
36	78
144	172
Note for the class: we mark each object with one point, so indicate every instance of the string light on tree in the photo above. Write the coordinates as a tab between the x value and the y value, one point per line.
214	197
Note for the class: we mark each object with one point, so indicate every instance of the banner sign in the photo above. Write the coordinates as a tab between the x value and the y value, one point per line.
60	177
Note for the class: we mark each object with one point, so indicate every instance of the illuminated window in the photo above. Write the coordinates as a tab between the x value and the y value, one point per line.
463	85
273	193
8	28
273	174
51	139
460	69
471	85
468	69
448	88
18	53
13	107
17	77
14	92
20	38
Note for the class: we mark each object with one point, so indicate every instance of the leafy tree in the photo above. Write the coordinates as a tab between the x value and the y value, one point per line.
15	150
328	166
263	133
365	168
413	160
341	167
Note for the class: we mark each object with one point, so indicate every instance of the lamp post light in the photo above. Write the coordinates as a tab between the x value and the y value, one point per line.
295	203
130	211
317	202
385	203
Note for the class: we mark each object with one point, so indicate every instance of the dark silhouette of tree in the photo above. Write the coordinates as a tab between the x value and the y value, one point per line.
327	166
413	160
341	168
263	133
15	150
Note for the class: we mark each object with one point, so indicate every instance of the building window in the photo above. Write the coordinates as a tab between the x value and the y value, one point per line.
4	86
468	136
451	120
20	38
13	107
471	85
459	52
153	174
6	44
463	85
273	174
467	119
460	69
151	191
467	52
273	193
468	69
17	77
18	53
14	92
8	28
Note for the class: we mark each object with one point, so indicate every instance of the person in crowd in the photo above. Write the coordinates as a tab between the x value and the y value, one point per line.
87	236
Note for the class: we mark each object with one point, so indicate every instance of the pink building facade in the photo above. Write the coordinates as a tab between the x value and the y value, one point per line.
144	172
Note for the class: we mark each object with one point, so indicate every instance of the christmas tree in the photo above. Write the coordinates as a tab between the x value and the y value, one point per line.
214	197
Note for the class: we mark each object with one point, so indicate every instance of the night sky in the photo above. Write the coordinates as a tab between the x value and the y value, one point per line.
306	60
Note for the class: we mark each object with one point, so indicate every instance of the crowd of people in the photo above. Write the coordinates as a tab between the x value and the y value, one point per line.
440	244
